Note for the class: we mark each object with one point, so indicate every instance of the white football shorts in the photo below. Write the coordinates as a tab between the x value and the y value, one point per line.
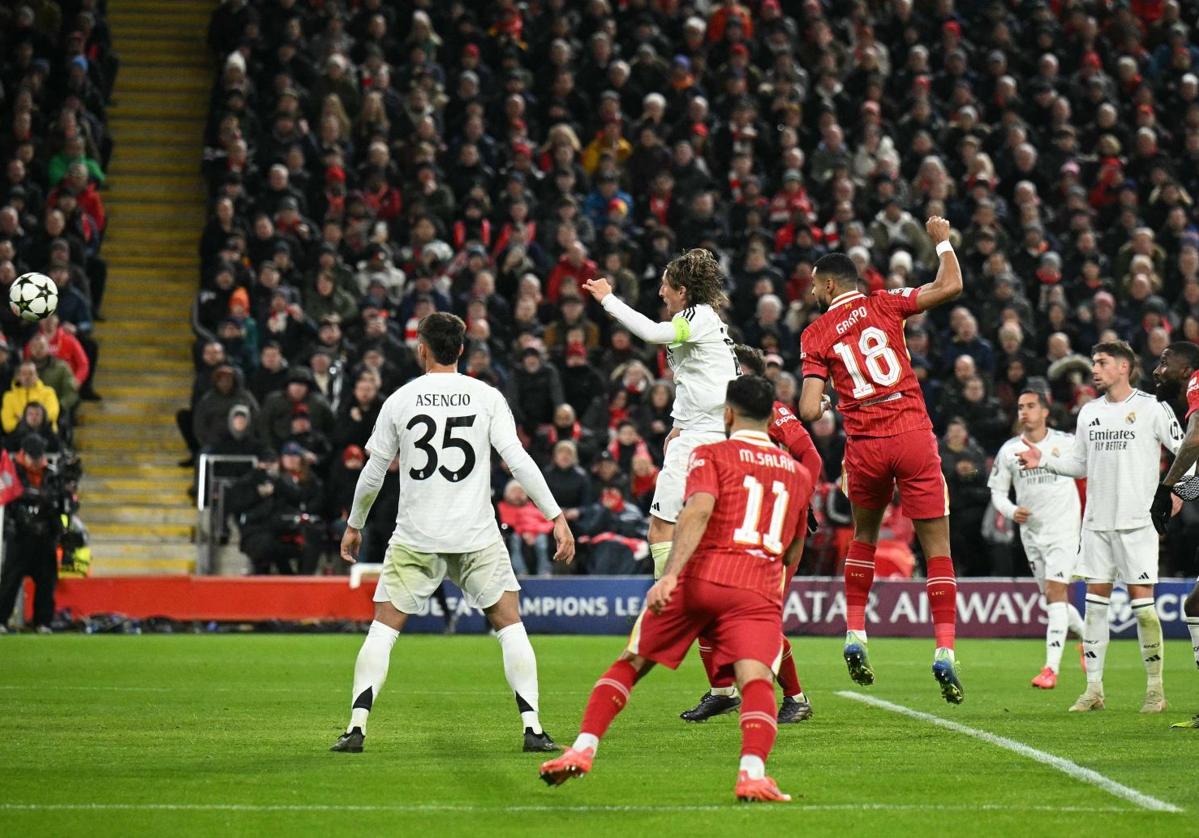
1052	561
1129	556
409	578
672	479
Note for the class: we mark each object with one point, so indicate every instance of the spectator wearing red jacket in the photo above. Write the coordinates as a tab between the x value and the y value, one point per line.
528	531
573	268
64	346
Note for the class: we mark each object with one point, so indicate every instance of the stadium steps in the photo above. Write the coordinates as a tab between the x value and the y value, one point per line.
134	497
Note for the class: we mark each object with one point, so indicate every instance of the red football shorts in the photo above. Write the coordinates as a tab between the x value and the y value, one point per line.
875	464
740	624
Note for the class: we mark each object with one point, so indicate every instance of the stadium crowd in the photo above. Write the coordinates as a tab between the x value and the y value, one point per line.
369	162
56	79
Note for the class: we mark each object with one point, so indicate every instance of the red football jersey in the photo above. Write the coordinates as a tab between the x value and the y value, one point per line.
1192	395
859	342
762	497
789	432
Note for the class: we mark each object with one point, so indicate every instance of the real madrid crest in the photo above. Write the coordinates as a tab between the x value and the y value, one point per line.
1130	418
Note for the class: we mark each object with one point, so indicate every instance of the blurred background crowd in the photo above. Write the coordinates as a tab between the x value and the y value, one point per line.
369	162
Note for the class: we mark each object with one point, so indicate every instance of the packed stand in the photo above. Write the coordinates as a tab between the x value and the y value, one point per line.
56	80
370	162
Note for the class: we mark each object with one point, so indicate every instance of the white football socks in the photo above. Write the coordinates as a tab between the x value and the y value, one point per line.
586	741
520	668
1193	628
754	767
1149	632
1055	634
1096	636
370	671
1075	624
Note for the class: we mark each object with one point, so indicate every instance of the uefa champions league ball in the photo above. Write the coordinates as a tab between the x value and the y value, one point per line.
33	296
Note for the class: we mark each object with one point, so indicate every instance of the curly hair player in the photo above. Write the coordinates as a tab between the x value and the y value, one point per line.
858	343
700	352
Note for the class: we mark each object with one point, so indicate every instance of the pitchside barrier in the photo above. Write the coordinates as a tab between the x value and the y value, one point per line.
589	604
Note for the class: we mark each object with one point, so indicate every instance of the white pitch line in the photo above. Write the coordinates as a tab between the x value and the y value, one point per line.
466	808
1071	769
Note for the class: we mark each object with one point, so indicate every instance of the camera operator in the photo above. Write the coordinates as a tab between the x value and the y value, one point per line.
32	525
276	517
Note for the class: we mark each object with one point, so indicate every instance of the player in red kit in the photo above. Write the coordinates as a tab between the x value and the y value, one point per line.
742	522
787	431
858	342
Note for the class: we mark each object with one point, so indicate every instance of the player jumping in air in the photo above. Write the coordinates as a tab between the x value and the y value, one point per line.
1117	447
700	352
858	342
443	426
1049	515
785	430
1180	363
744	519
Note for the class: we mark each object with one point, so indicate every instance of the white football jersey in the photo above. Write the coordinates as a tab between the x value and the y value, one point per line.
1117	447
1051	498
702	358
443	427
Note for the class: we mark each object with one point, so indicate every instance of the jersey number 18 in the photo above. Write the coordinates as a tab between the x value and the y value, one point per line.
881	361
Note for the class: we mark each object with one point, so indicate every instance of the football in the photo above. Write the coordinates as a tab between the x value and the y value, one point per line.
33	296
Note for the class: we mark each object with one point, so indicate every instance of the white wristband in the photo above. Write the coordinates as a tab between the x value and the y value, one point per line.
943	248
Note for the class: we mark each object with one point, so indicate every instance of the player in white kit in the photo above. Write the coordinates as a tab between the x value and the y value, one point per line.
443	426
700	353
1049	514
1117	447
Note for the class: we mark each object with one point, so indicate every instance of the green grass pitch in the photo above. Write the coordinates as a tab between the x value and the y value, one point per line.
228	735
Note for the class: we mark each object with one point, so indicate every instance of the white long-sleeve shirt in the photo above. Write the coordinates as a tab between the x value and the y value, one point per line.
699	351
1117	447
443	427
1052	499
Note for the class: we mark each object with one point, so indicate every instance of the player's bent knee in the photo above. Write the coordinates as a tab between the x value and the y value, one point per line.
751	670
390	616
1057	591
505	612
642	665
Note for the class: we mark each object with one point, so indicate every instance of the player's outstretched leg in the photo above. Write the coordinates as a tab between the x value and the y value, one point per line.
859	578
370	671
721	697
608	698
795	706
1096	636
758	732
1149	633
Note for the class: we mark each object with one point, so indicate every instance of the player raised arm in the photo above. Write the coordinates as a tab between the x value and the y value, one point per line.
1068	464
688	531
948	283
650	331
504	440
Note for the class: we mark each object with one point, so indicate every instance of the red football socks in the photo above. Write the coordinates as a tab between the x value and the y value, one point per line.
859	577
759	719
715	679
608	698
788	677
942	590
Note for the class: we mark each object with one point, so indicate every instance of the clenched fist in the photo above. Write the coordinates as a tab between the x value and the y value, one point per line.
938	229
